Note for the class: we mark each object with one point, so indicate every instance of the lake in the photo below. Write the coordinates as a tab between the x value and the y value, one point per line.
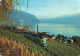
69	30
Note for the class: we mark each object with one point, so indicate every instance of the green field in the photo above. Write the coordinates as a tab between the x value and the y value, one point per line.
30	45
63	49
52	48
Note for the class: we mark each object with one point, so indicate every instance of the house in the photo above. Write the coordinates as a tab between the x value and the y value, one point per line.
65	40
50	39
54	37
71	41
18	27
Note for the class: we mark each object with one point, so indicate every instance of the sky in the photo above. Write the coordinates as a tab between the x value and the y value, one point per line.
0	1
46	9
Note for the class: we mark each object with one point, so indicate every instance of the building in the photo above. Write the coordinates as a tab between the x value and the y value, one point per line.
71	41
65	40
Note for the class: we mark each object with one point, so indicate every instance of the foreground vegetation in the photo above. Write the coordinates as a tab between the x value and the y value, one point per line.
12	48
31	46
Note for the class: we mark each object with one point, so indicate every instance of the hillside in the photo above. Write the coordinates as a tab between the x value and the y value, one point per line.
28	19
12	48
63	49
52	49
30	45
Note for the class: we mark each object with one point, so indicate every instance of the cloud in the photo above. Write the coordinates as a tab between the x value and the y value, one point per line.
79	0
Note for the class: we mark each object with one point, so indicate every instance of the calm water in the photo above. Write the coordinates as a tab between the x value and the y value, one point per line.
59	28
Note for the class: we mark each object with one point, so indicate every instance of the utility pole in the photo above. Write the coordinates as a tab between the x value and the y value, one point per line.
27	4
37	29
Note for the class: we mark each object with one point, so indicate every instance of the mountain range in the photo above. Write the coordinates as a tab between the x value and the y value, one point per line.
27	18
65	19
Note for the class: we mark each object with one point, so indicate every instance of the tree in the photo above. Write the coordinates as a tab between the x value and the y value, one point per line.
7	6
76	39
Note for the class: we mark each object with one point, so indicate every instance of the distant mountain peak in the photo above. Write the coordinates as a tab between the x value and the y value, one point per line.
70	18
28	18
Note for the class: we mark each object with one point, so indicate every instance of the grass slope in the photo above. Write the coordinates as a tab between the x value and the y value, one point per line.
12	48
31	46
63	49
56	47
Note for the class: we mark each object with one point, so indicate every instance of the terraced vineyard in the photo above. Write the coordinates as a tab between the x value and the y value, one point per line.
63	49
30	45
12	48
52	49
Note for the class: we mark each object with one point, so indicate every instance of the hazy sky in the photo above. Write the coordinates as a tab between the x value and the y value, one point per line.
44	9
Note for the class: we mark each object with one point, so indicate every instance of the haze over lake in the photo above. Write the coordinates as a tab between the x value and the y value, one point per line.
59	28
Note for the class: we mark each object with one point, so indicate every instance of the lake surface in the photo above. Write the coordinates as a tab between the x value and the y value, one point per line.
69	30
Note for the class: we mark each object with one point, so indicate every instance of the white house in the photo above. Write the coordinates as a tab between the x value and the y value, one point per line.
54	37
19	27
71	40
